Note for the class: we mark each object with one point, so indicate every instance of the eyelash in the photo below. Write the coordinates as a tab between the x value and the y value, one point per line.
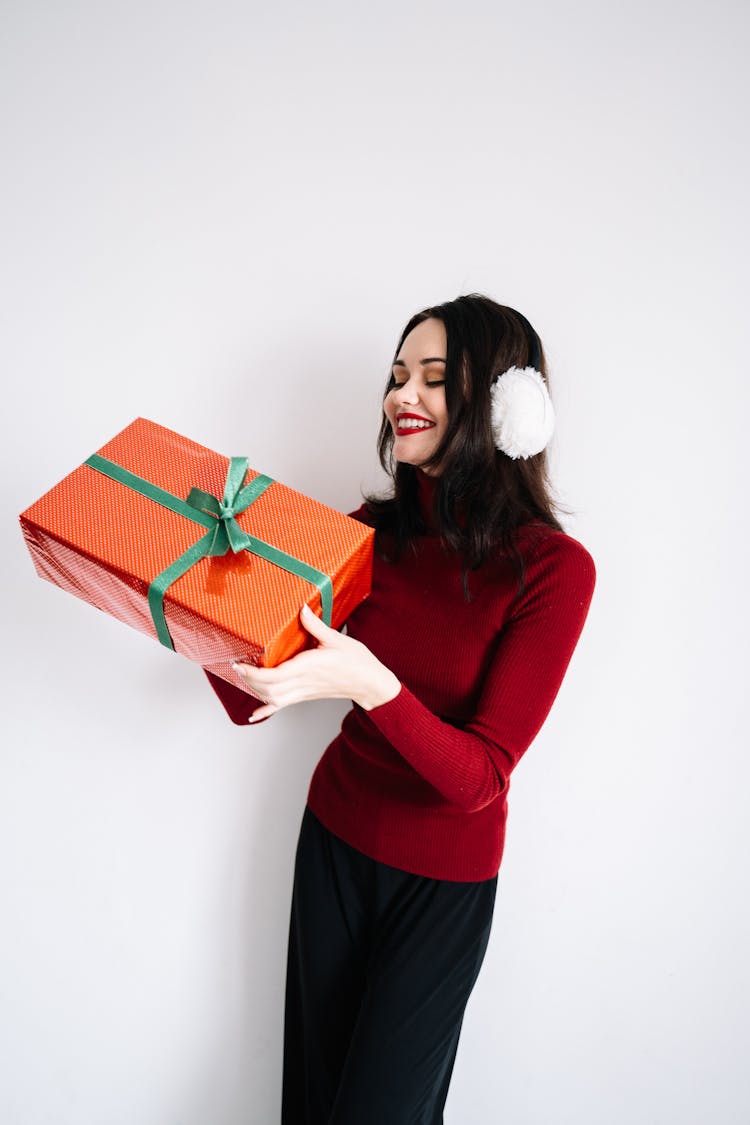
432	383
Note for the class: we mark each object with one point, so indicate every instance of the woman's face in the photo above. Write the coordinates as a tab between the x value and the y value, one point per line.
415	405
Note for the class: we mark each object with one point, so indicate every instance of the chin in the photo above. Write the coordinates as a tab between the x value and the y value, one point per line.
409	457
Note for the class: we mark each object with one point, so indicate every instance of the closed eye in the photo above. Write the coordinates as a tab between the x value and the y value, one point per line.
431	383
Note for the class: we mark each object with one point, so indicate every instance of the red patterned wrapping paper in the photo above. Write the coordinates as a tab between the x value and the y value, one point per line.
105	543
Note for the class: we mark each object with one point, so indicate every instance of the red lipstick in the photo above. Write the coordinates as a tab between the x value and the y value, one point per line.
405	431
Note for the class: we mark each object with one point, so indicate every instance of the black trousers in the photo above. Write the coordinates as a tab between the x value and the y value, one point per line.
380	967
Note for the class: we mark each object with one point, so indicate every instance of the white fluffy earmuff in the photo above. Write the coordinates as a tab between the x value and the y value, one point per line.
523	419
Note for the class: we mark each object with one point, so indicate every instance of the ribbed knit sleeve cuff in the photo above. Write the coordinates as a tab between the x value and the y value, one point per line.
391	717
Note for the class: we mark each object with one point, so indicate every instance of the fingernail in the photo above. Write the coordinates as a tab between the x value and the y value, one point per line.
306	611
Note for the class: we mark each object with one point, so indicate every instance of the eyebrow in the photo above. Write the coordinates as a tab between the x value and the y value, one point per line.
424	362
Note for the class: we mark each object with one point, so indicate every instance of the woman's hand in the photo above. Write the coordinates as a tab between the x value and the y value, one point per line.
339	668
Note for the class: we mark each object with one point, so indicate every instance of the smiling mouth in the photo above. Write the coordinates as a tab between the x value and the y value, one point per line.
412	426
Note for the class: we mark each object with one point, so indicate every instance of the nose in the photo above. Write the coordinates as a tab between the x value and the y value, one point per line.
406	392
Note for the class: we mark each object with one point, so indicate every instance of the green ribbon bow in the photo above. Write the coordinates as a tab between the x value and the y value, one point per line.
224	534
227	534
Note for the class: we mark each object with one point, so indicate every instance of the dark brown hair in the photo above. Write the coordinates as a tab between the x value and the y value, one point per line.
482	495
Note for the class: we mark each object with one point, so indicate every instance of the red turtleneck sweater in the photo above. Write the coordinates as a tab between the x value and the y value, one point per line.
421	782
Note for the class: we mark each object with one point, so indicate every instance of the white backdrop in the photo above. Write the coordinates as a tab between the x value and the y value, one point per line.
219	216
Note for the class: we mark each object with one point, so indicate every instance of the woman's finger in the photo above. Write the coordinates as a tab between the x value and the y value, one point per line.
279	673
267	683
317	628
271	686
262	713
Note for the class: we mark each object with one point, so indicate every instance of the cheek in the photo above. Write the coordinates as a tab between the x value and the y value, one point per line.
441	415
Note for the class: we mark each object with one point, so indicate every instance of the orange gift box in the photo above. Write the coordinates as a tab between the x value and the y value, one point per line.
197	550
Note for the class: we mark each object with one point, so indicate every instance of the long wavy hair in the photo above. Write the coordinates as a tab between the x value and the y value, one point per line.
482	495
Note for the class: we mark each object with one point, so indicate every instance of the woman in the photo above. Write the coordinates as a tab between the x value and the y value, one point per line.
452	664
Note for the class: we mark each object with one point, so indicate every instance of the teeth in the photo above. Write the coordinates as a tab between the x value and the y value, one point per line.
412	424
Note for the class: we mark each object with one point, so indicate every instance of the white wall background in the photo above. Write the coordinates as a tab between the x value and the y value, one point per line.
219	216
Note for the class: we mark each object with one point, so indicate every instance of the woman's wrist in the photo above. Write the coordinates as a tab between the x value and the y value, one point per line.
381	689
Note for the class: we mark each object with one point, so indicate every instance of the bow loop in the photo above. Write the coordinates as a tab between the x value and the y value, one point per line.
228	535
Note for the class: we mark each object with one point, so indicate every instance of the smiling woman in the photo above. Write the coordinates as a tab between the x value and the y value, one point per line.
452	664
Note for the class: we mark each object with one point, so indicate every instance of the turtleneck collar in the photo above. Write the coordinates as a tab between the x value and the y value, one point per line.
426	487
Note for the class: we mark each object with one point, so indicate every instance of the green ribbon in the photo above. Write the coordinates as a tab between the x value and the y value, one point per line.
224	534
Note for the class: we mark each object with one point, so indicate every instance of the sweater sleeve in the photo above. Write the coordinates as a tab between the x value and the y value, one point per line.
470	765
